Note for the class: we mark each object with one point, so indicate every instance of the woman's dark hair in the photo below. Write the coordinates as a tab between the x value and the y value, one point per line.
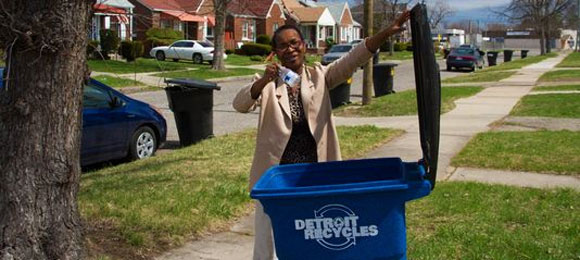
282	28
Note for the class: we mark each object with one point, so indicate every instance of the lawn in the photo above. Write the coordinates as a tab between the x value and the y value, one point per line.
140	65
151	205
462	220
398	55
541	151
480	77
118	82
561	75
557	88
240	60
207	73
404	103
549	105
518	64
573	60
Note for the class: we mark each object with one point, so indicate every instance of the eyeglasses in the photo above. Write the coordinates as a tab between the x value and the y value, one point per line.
295	44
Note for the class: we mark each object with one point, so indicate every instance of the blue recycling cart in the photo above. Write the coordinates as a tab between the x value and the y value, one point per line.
356	209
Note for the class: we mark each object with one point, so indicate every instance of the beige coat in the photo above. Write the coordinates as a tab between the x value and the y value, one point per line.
275	122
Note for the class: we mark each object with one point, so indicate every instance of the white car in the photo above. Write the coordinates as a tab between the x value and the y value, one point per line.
197	51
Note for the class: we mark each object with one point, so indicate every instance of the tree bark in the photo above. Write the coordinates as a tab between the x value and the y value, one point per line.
40	120
548	45
219	31
542	43
368	67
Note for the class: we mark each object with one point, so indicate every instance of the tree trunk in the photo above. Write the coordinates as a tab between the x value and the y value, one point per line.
40	119
368	67
391	46
219	32
548	44
542	43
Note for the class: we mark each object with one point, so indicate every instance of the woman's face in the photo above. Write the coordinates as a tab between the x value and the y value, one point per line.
290	49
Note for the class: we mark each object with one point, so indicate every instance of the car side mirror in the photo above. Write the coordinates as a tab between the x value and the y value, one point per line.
115	102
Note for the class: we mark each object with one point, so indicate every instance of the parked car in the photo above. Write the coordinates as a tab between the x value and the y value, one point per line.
355	42
197	51
116	126
465	58
335	53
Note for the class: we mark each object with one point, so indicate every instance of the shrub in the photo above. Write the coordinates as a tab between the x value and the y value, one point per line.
229	51
263	39
400	46
256	58
92	47
109	42
409	47
251	49
163	36
131	50
329	43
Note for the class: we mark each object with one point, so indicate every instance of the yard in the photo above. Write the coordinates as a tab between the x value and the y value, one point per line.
573	60
480	77
561	75
549	105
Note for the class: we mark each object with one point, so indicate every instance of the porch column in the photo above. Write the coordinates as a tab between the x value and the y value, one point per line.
131	23
317	35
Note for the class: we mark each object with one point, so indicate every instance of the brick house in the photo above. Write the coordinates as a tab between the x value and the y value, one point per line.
192	17
347	29
116	15
249	18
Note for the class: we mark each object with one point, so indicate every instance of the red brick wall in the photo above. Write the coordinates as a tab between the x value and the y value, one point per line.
143	20
274	18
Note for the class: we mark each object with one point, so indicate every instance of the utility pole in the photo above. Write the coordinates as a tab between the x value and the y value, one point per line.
368	68
578	28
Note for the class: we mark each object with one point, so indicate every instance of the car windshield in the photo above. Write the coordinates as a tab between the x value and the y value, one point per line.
206	44
463	51
340	48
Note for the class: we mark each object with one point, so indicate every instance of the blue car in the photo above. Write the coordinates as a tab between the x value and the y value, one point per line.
116	126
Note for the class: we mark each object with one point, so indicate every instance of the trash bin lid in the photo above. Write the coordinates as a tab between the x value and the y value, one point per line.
193	83
428	87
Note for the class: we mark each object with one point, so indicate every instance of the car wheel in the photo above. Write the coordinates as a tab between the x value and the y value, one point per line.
449	68
176	60
197	59
160	55
143	143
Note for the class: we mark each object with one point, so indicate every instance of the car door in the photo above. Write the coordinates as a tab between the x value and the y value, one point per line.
188	50
105	124
173	51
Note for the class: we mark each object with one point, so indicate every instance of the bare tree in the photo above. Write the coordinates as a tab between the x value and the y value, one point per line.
540	14
438	12
220	9
40	119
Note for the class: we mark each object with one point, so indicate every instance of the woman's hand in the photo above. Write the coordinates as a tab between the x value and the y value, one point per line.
270	74
399	24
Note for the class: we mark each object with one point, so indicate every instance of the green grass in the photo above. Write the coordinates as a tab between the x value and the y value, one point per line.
404	103
561	75
118	82
462	220
160	202
398	55
480	77
518	64
557	88
312	58
240	60
540	151
573	60
140	65
549	105
207	73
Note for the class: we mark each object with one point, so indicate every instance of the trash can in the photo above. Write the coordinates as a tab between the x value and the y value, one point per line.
383	74
492	58
356	209
507	55
524	53
340	95
191	101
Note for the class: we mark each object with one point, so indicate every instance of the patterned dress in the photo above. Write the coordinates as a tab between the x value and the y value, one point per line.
301	147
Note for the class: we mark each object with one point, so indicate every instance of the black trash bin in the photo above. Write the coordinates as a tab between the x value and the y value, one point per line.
492	58
507	55
383	75
191	101
525	53
340	95
446	53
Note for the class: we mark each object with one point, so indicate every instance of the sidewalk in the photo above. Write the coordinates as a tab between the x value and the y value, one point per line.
471	116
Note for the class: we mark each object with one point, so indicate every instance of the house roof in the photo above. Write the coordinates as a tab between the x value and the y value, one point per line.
176	5
291	4
115	3
336	10
308	14
184	17
258	8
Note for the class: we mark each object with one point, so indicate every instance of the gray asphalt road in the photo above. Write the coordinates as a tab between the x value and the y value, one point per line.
227	120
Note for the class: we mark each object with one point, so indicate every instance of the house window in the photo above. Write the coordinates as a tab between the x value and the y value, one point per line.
253	30
177	26
245	30
274	27
209	31
165	24
331	32
342	33
321	32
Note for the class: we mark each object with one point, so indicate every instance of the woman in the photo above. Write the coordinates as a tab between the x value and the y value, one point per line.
295	124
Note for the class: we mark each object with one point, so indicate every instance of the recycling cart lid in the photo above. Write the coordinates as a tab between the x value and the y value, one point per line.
193	83
428	87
